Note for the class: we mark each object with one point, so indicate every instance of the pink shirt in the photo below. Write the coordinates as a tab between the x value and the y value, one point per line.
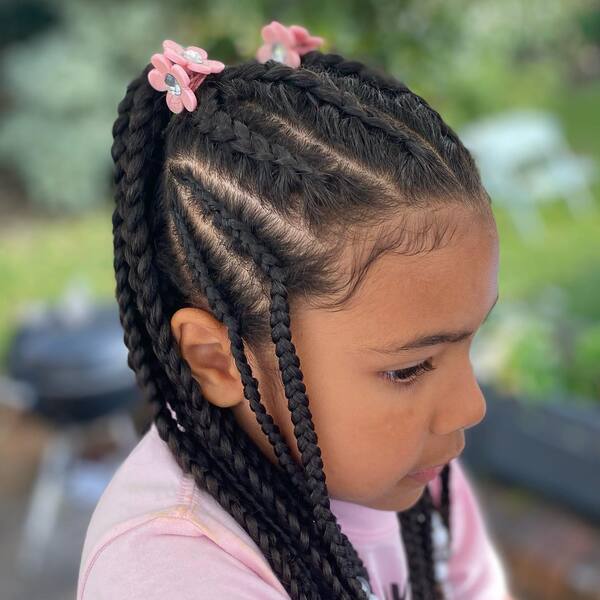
154	534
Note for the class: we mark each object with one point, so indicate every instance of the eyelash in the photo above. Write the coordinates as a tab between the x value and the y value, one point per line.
410	375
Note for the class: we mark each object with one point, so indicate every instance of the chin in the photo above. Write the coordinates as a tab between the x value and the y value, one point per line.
412	501
403	501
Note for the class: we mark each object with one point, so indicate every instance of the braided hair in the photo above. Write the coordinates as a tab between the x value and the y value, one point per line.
240	207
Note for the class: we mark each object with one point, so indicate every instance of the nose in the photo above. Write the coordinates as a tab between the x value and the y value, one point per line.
464	407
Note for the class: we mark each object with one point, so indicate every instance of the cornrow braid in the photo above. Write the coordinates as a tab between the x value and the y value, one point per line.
240	207
347	105
405	107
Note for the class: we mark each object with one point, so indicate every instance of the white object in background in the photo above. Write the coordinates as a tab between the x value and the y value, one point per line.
75	305
525	160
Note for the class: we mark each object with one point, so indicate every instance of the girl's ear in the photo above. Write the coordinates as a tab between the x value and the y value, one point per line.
204	344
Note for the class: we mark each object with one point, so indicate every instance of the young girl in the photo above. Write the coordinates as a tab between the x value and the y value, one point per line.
295	192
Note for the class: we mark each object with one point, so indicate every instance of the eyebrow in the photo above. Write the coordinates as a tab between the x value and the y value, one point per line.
433	339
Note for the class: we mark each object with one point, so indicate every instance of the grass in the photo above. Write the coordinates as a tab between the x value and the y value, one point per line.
566	253
578	112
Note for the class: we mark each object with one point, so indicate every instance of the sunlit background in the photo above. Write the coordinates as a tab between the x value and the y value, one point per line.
519	80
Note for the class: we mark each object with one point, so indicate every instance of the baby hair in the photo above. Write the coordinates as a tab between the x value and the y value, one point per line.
241	207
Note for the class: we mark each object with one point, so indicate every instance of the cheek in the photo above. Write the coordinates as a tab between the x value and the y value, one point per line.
369	438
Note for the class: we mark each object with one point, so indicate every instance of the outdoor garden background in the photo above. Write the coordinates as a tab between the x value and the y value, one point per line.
518	80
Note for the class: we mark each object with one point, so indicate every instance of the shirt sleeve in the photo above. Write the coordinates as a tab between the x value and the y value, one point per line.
139	566
475	569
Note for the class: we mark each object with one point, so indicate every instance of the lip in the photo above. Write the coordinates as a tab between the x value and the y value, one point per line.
430	473
426	475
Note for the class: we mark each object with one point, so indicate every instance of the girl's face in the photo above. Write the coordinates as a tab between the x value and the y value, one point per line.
372	427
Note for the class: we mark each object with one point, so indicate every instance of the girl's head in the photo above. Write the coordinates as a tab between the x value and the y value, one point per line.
302	262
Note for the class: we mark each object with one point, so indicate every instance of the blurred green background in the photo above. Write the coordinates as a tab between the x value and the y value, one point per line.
65	66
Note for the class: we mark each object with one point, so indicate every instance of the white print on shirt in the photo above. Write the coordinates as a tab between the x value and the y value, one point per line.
441	555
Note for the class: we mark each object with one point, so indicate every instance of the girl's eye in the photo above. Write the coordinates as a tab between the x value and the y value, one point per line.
408	376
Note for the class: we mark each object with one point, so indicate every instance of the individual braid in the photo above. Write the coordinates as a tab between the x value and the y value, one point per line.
444	508
417	531
170	174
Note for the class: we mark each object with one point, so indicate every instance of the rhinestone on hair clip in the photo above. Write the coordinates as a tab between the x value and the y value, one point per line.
179	71
286	44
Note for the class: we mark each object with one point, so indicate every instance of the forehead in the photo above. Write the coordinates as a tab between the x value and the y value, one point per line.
452	286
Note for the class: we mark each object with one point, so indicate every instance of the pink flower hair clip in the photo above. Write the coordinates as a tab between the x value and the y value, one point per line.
286	44
179	71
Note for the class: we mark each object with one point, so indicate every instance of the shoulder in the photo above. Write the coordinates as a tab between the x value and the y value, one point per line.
155	534
167	555
148	480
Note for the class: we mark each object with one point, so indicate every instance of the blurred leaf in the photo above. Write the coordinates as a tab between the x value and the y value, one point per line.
533	367
585	370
